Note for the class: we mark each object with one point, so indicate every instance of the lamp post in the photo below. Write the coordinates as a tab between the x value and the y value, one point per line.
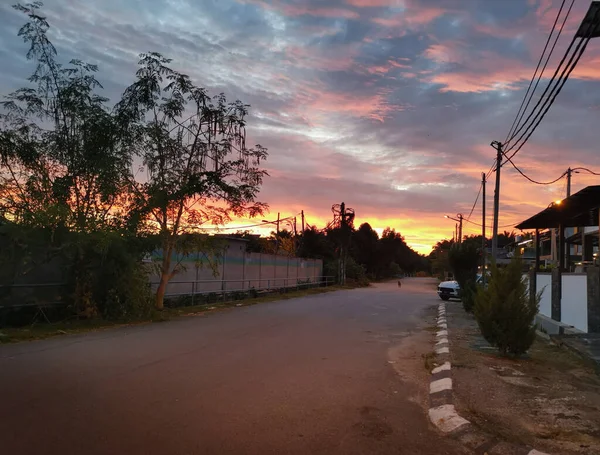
459	219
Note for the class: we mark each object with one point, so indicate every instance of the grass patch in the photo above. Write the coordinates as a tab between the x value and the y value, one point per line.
429	361
41	331
44	330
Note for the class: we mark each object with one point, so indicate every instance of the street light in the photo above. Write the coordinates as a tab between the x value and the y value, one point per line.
460	224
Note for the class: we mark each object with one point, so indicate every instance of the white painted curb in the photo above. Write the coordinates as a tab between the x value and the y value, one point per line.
443	367
440	385
446	418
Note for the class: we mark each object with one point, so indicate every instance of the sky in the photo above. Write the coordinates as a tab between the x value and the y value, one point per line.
387	105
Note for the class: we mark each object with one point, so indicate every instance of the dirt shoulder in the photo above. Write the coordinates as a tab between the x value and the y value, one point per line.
549	399
43	330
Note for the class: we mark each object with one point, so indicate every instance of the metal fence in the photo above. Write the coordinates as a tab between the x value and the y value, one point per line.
191	288
36	294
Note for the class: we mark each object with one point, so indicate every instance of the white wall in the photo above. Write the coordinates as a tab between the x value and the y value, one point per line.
574	301
544	282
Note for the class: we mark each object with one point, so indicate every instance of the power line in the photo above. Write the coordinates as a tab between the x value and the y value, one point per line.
560	83
547	106
499	227
585	169
518	130
529	178
475	203
225	228
522	111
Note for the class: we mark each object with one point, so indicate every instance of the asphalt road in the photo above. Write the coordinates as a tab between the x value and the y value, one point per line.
311	375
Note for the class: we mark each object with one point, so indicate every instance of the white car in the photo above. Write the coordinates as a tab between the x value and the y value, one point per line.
451	290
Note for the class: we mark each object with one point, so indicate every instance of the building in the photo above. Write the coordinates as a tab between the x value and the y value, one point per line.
570	291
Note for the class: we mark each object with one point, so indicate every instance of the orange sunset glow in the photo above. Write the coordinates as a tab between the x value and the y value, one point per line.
386	105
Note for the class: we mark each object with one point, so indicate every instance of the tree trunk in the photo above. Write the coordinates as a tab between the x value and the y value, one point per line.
165	276
162	288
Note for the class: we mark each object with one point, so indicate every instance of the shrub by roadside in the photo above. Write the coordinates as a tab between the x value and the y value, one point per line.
504	311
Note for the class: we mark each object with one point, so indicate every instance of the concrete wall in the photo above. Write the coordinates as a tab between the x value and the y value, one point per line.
574	302
240	270
544	285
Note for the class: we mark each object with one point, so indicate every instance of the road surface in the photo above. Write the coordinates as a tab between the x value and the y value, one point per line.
312	375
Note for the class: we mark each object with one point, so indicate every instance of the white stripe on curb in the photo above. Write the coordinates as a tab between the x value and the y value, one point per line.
445	418
443	350
443	326
443	367
442	341
442	333
536	452
440	385
442	321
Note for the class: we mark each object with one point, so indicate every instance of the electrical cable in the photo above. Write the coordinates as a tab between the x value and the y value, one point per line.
559	84
475	203
550	83
549	105
585	169
522	111
529	178
499	227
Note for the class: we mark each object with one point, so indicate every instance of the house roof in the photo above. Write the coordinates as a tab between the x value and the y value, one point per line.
580	209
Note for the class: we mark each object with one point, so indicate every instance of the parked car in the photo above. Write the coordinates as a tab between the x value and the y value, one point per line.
451	290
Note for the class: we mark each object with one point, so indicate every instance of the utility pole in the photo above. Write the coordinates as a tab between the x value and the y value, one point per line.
456	232
277	236
498	146
460	222
302	222
483	241
570	231
343	244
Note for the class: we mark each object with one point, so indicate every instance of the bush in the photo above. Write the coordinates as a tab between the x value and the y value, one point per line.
464	261
505	312
110	279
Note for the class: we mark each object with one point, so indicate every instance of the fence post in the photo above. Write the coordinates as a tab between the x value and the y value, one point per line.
556	294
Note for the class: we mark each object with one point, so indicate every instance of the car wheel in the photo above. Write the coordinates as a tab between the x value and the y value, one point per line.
444	297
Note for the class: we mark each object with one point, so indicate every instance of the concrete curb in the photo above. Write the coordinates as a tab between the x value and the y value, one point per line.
441	408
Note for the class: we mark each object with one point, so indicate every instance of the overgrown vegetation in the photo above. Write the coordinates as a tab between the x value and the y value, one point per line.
371	257
505	312
89	190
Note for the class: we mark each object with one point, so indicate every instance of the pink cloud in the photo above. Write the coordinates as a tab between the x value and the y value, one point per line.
375	106
373	3
288	9
414	15
340	58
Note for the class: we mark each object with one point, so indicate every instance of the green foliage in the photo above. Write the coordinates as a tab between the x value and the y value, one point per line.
464	259
64	165
198	167
505	312
356	273
117	284
380	258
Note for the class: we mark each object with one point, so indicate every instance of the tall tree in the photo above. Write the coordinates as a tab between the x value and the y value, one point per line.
193	147
63	164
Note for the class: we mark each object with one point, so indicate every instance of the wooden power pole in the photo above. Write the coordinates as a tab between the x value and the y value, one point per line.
498	146
483	240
